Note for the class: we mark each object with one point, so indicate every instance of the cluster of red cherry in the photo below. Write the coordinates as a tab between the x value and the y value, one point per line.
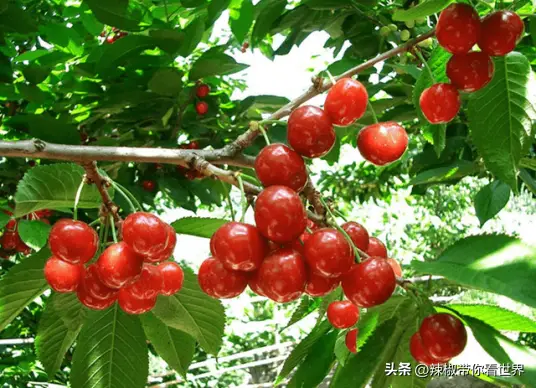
458	29
10	241
440	338
124	271
114	36
201	107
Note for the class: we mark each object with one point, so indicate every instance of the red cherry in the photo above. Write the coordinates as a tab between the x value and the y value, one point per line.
88	300
130	304
358	234
63	276
119	265
382	143
395	265
94	287
443	335
277	164
253	284
419	353
145	233
282	275
110	39
4	254
73	241
168	250
148	185
148	285
440	103
458	28
9	240
346	101
376	248
501	31
201	108
218	282
21	247
279	214
351	340
239	246
310	131
369	283
202	90
319	285
172	276
470	72
342	314
328	253
193	145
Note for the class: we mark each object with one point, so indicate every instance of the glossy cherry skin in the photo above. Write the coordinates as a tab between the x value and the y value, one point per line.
9	240
145	233
253	284
319	285
346	101
376	248
282	275
310	131
395	265
458	28
470	72
73	241
168	250
202	90
419	353
148	285
201	108
328	253
88	300
358	234
130	304
119	265
342	314
501	31
279	214
172	276
443	335
351	340
239	246
277	164
382	143
440	103
93	285
219	282
63	276
148	185
369	283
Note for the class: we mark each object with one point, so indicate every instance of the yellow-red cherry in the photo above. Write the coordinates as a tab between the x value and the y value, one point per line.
119	265
310	131
172	276
328	253
342	314
395	265
73	241
458	28
501	31
470	72
382	143
63	276
440	103
145	233
167	251
277	164
346	101
369	283
219	282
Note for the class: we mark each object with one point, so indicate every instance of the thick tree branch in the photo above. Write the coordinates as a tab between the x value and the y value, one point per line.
102	184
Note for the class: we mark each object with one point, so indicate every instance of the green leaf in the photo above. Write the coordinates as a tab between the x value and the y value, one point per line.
302	350
200	227
174	346
4	219
46	128
326	301
166	82
54	187
35	73
34	94
194	312
366	326
127	47
497	317
213	63
116	13
421	10
500	117
495	263
15	19
91	24
240	20
307	306
111	351
317	364
364	38
504	350
62	36
270	11
490	200
34	233
193	35
168	39
21	285
59	326
456	170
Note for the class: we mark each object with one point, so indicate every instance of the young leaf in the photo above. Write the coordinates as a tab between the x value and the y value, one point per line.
195	313
495	263
500	117
490	200
54	187
59	326
421	10
111	351
240	20
21	285
174	346
213	63
34	233
200	227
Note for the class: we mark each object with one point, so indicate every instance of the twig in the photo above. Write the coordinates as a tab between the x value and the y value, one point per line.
102	184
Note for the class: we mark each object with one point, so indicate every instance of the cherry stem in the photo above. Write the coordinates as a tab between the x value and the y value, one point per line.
243	198
331	78
229	202
338	213
112	224
93	223
425	64
372	112
77	197
264	134
125	196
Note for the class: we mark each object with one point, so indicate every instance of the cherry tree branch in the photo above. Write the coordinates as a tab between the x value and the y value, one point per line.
93	176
